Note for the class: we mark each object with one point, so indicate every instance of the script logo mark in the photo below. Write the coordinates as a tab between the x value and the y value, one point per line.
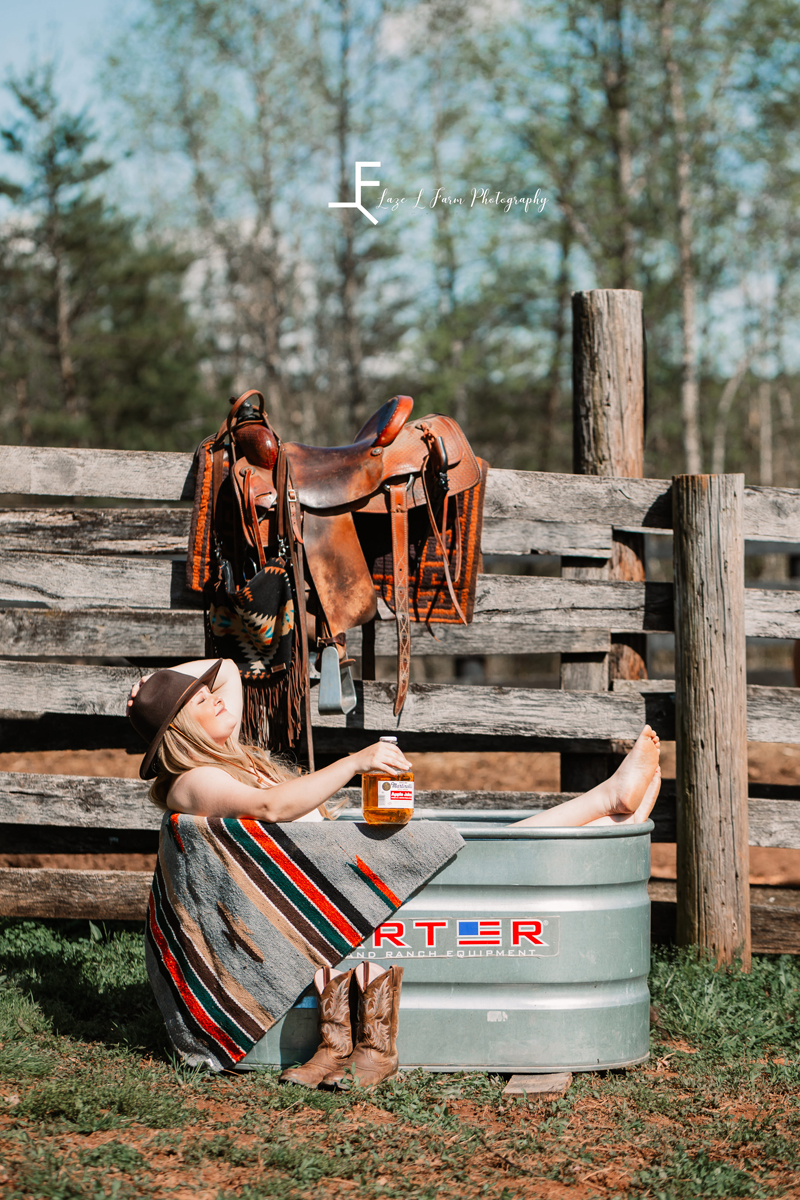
359	184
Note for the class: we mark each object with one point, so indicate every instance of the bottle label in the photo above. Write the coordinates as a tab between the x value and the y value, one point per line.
396	793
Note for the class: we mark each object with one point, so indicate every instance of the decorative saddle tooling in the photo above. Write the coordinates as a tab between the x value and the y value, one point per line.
396	514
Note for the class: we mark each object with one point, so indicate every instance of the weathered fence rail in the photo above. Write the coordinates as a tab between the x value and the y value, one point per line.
547	503
509	607
773	713
92	548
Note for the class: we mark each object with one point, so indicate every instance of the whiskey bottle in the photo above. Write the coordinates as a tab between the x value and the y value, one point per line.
387	799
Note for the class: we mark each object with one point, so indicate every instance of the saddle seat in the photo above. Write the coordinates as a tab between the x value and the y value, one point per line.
385	449
331	477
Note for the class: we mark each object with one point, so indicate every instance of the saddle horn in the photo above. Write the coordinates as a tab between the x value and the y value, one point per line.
255	438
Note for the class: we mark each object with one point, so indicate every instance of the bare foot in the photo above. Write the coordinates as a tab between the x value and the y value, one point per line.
629	786
628	796
642	812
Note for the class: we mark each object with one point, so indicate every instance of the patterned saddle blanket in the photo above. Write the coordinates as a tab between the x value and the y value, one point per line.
242	913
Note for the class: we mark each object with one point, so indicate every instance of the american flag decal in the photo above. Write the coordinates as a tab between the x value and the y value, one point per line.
479	933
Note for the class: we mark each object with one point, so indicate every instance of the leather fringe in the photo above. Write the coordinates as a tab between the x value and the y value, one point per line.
272	717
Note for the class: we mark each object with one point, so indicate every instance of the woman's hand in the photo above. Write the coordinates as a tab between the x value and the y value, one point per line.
383	756
135	689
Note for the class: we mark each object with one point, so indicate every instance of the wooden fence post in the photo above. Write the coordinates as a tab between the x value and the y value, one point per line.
711	715
608	382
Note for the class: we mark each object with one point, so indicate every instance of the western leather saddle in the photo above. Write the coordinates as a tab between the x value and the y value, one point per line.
340	515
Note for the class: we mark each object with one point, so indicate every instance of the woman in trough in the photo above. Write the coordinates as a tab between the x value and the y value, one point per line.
190	718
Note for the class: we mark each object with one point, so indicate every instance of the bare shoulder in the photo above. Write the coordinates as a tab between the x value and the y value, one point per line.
209	792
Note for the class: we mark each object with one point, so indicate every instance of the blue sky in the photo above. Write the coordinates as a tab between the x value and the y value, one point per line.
71	30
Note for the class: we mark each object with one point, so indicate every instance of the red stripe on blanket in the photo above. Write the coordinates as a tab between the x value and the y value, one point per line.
198	1012
301	880
379	884
174	823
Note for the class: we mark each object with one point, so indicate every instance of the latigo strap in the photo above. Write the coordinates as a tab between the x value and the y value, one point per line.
398	509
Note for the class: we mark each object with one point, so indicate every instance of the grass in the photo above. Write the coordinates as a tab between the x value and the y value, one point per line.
92	1104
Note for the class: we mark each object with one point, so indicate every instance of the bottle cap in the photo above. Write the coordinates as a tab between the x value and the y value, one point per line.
388	739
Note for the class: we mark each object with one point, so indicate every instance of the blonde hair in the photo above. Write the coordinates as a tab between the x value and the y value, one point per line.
186	745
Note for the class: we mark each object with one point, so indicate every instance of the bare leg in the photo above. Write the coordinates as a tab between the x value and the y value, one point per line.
628	792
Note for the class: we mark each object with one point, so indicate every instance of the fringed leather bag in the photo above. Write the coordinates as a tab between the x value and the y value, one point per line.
252	611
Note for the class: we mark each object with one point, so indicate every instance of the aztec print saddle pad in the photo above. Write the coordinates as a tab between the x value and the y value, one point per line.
242	913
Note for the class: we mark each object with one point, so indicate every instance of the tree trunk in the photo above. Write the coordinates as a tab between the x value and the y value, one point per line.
723	412
690	392
553	394
711	715
615	82
765	473
269	266
347	258
66	367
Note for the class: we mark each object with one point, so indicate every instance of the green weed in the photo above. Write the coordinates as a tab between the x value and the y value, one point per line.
90	1104
82	1048
224	1147
82	987
116	1155
43	1174
20	1061
727	1011
684	1177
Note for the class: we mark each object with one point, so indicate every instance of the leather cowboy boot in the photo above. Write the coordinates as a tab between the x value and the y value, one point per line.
334	1026
374	1058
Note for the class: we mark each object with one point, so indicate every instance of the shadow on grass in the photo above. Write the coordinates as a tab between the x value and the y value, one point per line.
88	981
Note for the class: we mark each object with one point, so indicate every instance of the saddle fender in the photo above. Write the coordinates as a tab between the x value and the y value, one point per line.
257	482
337	566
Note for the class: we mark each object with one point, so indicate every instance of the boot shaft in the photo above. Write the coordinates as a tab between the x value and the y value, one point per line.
378	1012
334	1015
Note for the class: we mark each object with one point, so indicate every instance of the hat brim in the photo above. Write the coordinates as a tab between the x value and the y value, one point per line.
146	770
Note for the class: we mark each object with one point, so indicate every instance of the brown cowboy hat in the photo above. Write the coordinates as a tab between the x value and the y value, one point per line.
157	703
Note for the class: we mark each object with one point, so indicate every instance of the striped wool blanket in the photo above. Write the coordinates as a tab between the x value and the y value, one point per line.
242	913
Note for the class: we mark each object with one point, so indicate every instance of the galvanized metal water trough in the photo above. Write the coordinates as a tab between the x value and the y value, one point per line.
528	953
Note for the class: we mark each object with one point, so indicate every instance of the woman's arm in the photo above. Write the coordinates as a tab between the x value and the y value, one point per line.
212	792
228	684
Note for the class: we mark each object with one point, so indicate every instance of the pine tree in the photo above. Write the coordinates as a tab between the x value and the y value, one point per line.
97	347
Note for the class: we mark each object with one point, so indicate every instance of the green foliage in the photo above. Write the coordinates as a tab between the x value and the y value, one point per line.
114	1154
685	1176
96	345
90	1103
223	1147
77	986
715	1113
728	1012
43	1174
248	118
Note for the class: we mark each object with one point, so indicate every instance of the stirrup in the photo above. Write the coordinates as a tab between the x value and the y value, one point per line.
337	693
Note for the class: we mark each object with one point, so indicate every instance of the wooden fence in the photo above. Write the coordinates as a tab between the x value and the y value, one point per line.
92	565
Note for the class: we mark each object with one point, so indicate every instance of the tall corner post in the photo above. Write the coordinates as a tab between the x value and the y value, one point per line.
608	398
711	716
